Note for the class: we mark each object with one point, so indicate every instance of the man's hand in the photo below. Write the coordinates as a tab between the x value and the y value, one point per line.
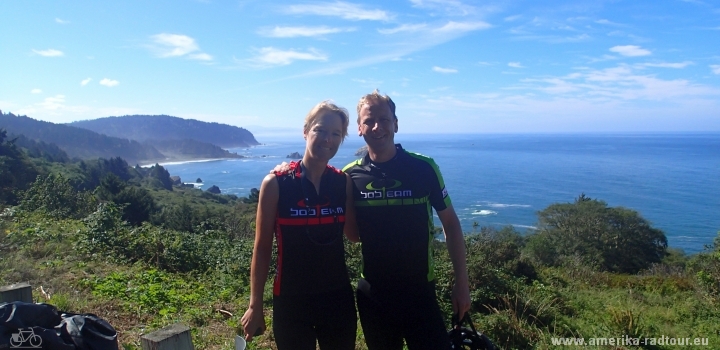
456	249
253	322
282	167
461	298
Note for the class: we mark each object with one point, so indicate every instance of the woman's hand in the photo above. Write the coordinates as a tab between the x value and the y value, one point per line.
253	322
281	168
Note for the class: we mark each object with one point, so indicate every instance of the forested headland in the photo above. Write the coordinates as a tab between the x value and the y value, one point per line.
136	139
107	237
165	127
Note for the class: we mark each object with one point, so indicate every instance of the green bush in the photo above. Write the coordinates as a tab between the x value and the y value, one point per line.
610	239
706	268
55	196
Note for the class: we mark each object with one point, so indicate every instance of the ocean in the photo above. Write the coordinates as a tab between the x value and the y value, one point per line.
671	179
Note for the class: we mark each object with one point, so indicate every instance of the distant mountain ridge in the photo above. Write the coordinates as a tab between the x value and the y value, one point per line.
49	140
164	127
78	142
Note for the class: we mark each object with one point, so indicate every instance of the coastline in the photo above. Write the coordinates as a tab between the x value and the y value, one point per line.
183	161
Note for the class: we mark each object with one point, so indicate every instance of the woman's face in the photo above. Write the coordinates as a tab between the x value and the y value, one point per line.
324	136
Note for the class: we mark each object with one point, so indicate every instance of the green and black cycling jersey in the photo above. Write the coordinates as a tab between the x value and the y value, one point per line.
394	202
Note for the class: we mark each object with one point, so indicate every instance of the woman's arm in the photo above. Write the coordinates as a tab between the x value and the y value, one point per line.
351	229
254	320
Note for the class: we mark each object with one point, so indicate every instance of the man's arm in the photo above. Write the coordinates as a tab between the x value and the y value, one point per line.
456	249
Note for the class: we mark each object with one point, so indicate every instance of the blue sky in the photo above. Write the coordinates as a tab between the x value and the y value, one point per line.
450	65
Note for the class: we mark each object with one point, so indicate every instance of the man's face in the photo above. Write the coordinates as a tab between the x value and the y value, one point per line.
377	124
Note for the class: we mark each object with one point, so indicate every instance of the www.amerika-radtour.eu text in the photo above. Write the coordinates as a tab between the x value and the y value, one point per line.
629	341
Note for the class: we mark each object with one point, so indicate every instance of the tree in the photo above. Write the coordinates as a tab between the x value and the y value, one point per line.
16	172
55	196
611	239
159	173
136	203
254	195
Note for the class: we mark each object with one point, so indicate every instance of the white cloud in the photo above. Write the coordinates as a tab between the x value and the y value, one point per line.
109	82
35	91
444	70
450	6
369	83
512	18
619	84
340	9
200	57
607	22
49	53
174	45
60	21
630	50
53	103
270	56
455	27
715	68
407	28
177	45
291	32
515	65
85	81
676	65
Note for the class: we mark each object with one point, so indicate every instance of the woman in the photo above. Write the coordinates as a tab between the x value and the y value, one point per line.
307	207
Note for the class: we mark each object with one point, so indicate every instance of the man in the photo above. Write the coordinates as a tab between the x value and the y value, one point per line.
395	191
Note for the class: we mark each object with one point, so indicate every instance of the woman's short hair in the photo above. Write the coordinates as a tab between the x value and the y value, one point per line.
375	96
327	106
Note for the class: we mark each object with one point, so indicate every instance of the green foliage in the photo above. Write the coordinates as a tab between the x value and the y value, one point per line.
78	142
54	196
495	268
150	291
137	203
610	239
39	149
193	259
16	172
108	236
239	223
254	196
189	148
706	267
163	176
94	171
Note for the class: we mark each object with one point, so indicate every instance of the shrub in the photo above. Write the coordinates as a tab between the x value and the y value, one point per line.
612	239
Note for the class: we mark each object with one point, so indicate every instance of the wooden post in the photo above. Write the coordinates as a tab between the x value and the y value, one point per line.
16	292
173	337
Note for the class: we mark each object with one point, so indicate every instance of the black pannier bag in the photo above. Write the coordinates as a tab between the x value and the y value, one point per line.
41	326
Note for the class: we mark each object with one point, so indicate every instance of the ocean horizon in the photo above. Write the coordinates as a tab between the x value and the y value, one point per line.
497	180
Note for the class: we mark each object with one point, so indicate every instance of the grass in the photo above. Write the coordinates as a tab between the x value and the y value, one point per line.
569	301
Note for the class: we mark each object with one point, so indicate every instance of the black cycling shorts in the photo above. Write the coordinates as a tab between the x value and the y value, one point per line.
328	318
412	313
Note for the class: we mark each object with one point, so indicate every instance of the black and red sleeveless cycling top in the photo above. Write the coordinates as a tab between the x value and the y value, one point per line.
308	230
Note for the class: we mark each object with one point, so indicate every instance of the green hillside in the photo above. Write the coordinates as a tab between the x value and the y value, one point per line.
78	142
164	127
60	141
126	244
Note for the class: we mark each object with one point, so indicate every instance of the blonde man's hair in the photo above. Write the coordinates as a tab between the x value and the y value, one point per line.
329	107
375	96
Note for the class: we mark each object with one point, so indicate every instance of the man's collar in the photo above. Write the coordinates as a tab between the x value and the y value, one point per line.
398	147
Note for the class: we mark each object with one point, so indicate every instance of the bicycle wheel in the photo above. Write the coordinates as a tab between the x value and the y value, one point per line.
35	341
